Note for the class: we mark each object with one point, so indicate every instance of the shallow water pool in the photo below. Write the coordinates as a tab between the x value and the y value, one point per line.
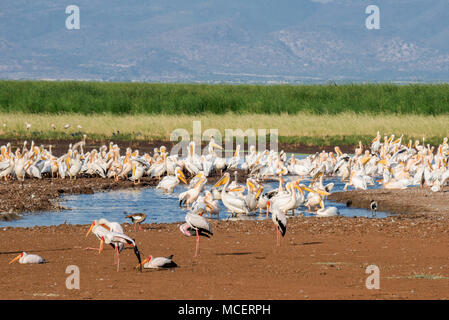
159	207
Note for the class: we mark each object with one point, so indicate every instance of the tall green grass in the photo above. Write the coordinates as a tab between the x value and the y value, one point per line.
192	99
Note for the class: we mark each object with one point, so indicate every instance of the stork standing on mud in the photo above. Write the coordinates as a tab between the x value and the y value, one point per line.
116	239
197	225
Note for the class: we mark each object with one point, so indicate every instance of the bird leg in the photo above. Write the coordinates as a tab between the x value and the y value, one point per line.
278	236
140	227
117	255
197	250
89	248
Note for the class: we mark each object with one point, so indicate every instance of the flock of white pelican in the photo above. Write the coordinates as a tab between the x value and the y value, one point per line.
390	164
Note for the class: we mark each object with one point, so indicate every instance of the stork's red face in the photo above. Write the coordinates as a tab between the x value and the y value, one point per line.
143	262
16	258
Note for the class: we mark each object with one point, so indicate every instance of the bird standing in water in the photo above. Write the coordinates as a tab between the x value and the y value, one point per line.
373	207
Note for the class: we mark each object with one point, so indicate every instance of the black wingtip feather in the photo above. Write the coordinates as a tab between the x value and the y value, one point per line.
137	253
282	227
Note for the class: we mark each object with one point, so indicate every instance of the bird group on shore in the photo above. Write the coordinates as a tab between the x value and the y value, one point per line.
389	164
399	165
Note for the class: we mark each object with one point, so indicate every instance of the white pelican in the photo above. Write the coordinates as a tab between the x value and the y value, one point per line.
193	162
357	181
6	168
262	200
73	164
200	175
126	164
397	184
168	183
32	170
211	204
188	197
234	204
234	161
252	195
210	148
19	166
28	258
158	263
314	198
327	212
219	163
158	168
250	159
196	224
137	172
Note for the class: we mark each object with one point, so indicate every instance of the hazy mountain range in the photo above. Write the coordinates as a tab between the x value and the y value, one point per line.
225	41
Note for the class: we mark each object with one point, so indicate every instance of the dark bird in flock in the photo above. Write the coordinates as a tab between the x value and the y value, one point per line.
373	207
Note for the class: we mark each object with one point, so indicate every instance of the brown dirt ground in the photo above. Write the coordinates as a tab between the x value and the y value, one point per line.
319	258
411	200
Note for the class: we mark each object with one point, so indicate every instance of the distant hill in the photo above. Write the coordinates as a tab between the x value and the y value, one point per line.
301	41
